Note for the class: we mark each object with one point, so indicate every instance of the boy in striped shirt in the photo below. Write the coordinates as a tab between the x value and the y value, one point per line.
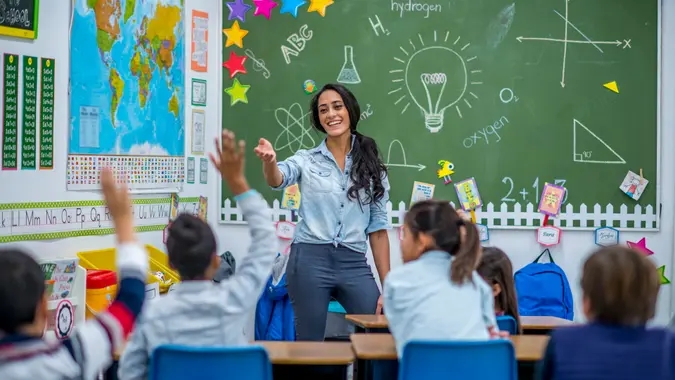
23	352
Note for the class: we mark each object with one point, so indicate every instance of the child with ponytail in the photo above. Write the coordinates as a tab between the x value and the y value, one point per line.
437	294
496	269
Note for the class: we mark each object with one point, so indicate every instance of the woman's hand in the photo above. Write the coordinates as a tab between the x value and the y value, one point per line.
265	151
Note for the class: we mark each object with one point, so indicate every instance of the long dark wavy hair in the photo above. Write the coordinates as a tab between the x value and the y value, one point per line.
368	167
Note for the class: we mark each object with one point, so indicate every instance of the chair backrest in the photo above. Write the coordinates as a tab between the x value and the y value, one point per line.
171	362
507	323
459	360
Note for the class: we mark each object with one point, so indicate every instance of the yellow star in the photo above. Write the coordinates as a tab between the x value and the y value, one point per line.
237	92
319	6
235	35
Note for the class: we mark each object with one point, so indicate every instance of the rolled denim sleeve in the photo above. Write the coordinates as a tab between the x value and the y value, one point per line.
379	220
291	170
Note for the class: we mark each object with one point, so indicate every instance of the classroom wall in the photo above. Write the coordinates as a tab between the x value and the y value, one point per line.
50	185
23	186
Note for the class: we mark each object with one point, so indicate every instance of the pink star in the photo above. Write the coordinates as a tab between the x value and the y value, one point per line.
264	7
641	246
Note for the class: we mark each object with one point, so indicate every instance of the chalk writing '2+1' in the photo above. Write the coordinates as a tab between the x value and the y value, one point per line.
535	185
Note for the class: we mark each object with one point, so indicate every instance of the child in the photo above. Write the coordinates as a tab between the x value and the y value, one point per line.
620	288
436	294
201	312
23	353
495	268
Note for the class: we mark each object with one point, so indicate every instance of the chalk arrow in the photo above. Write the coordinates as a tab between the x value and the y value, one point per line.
521	39
419	167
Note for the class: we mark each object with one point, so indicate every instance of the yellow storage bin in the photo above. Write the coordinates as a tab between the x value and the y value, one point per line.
159	262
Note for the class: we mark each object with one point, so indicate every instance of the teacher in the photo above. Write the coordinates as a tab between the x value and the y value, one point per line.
344	188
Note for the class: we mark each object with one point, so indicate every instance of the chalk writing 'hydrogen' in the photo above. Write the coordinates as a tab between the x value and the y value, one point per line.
410	6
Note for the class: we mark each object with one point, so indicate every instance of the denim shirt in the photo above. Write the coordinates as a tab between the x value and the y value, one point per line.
327	215
421	303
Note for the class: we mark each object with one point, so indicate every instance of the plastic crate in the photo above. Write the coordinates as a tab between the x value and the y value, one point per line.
105	259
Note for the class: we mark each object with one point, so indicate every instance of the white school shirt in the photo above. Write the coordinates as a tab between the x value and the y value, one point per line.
421	303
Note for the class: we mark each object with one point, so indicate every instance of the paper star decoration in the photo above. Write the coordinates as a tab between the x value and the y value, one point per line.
662	275
291	6
235	64
641	246
238	10
319	6
264	7
235	35
237	92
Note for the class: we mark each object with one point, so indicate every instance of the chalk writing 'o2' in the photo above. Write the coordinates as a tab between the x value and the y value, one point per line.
297	42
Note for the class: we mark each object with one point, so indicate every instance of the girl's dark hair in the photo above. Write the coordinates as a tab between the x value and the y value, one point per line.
440	221
495	268
190	246
368	167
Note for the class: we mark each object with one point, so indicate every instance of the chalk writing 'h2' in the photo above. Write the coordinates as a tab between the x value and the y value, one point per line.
377	25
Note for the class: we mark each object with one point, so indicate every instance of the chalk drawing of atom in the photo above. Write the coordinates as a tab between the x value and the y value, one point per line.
294	134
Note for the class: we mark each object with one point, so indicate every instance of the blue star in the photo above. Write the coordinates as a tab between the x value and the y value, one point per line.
291	6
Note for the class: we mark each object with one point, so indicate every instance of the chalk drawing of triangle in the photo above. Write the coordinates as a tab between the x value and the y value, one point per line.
587	157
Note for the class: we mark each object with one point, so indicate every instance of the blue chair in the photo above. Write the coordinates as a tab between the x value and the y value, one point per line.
173	362
507	323
459	360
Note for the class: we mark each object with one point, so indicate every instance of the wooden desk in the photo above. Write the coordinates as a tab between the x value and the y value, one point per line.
382	347
543	323
370	322
308	353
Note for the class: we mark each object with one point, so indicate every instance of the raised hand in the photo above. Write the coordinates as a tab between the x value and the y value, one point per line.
265	151
229	160
119	204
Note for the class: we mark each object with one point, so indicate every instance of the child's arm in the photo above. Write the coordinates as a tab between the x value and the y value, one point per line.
93	345
250	277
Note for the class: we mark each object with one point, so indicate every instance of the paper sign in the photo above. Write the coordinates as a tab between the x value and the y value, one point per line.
200	41
174	206
421	192
64	319
60	277
467	192
400	233
199	92
483	232
606	236
551	199
203	203
633	185
548	236
285	230
291	198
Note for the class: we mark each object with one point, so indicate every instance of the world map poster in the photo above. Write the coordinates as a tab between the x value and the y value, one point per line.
127	93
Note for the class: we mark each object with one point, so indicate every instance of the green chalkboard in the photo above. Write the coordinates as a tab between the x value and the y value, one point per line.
512	93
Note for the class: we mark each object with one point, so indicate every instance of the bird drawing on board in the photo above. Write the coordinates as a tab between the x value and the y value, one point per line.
445	171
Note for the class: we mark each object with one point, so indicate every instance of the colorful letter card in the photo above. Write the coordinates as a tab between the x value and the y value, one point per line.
291	198
467	192
483	232
551	199
421	192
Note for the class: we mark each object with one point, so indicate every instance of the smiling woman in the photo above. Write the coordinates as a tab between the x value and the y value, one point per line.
344	189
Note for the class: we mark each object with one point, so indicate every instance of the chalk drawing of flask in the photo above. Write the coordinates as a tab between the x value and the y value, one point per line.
348	74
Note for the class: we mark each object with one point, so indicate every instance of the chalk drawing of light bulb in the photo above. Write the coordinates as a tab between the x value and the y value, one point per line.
435	76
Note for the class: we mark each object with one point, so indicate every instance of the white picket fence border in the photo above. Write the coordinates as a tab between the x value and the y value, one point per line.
509	216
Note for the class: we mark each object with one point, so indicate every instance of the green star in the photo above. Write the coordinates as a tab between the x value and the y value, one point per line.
237	92
662	275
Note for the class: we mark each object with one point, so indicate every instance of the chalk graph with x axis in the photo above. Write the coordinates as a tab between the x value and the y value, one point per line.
567	41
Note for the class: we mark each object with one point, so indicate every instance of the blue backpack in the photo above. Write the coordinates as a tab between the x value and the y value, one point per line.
543	290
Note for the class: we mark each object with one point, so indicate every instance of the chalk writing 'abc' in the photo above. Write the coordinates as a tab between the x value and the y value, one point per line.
297	42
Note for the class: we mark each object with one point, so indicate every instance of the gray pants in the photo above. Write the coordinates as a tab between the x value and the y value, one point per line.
317	272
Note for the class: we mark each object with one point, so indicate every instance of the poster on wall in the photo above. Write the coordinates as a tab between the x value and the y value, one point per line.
200	41
127	95
19	18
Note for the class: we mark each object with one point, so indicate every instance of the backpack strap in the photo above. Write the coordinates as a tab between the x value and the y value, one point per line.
542	254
